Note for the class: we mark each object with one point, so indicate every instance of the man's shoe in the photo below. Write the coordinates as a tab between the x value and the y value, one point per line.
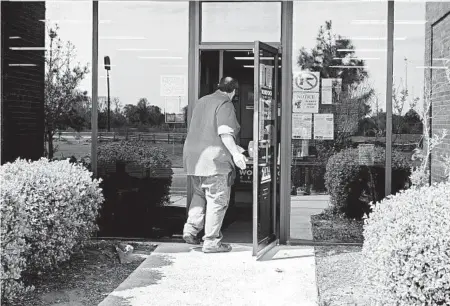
191	239
221	248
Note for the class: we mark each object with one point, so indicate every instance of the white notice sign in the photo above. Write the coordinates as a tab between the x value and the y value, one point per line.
301	126
366	154
306	81
323	127
173	86
305	102
327	91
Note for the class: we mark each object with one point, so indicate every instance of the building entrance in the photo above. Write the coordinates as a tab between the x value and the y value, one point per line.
254	205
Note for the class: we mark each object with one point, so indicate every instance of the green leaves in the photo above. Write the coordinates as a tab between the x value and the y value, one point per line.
47	209
62	78
346	180
139	153
405	240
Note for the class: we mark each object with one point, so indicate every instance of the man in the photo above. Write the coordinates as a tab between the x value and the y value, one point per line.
210	154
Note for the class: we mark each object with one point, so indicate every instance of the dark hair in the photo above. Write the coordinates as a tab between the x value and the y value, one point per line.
228	84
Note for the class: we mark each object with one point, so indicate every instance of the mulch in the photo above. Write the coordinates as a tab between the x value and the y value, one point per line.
87	278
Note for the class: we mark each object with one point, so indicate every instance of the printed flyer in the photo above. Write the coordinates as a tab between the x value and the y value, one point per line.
323	126
301	126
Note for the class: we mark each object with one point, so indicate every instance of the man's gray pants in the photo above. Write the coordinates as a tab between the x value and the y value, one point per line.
208	207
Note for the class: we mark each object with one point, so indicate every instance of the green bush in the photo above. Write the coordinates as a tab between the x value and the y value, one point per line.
48	209
407	247
151	158
352	186
137	177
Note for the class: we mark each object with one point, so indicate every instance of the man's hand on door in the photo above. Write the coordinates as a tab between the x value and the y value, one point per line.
240	161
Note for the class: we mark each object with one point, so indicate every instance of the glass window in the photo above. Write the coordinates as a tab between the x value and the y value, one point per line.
143	69
69	46
241	22
339	91
422	80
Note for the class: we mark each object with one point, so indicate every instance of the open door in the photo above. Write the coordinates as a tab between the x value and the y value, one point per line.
265	148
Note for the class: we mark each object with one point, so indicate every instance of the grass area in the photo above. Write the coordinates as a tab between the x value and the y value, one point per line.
327	227
87	278
69	148
339	276
175	153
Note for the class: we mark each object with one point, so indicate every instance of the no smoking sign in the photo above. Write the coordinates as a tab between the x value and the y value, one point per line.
307	81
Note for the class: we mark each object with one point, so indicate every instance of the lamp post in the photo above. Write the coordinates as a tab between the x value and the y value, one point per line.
108	68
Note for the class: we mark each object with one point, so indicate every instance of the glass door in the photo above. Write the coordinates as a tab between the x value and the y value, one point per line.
265	147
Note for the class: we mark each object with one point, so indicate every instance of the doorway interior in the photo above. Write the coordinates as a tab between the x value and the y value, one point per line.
214	64
254	204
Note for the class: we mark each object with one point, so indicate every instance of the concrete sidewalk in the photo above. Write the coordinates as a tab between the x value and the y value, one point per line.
179	274
302	208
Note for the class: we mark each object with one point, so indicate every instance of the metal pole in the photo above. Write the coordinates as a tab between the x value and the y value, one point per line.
256	142
286	117
94	115
1	92
193	73
220	64
109	103
389	82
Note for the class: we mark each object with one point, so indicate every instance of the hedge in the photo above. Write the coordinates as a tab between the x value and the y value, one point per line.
407	247
48	209
352	186
136	180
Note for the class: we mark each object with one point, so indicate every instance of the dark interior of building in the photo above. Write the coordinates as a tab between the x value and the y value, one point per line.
239	65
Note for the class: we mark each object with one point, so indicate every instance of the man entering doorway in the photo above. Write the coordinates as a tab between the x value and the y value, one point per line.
210	154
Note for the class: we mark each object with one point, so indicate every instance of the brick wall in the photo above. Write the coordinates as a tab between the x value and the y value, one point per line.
437	47
22	103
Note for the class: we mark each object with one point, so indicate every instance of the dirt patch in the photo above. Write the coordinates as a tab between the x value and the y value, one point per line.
87	278
339	278
326	228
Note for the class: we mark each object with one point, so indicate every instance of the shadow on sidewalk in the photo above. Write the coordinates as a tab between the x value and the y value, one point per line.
284	252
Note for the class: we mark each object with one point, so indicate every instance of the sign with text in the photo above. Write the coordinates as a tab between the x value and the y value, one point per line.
301	126
306	81
265	174
266	103
323	127
174	118
173	86
305	102
246	175
366	154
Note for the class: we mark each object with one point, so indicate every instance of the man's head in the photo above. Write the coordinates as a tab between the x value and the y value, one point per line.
229	86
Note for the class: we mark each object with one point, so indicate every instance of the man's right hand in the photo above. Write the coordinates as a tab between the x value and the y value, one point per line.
240	161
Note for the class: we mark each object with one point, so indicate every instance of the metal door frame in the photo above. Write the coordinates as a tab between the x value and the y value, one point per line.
273	237
195	45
